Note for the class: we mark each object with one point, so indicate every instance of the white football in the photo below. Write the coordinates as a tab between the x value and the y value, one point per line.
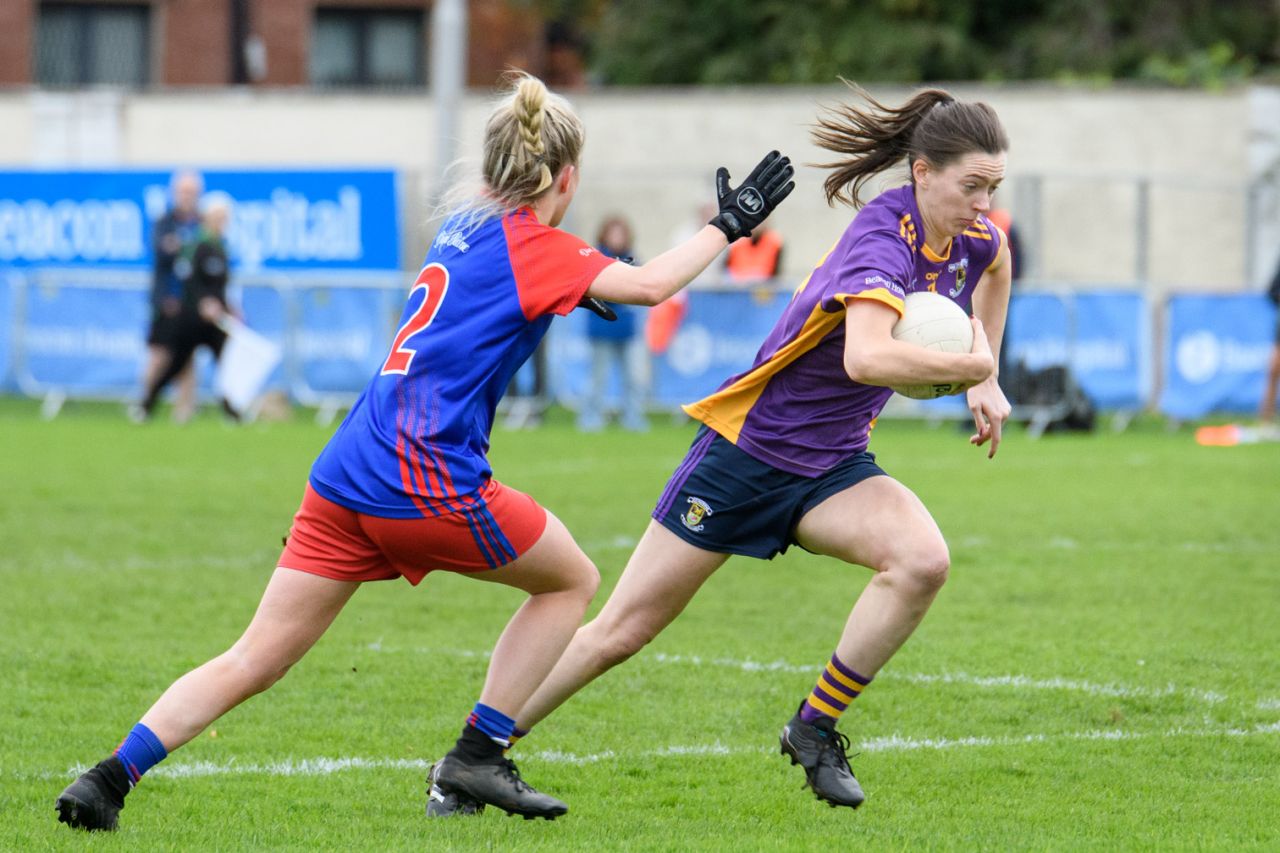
934	322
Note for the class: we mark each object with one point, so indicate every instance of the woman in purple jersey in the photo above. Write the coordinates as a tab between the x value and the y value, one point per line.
782	456
403	487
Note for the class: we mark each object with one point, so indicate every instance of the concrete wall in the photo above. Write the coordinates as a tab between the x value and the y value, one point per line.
1080	164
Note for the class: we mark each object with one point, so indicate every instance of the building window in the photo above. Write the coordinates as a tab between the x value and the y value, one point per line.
78	44
361	47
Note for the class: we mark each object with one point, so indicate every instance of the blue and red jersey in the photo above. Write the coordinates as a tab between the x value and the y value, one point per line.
416	441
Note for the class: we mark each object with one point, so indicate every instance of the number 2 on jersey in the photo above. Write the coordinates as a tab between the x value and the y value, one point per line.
434	281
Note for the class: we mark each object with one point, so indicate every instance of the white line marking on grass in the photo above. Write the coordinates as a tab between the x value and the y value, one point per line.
289	767
889	743
1209	697
898	743
1066	543
1015	681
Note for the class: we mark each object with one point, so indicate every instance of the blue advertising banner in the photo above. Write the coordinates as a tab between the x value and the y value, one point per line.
82	338
342	336
281	219
1111	352
8	292
265	310
1039	330
1103	336
1216	352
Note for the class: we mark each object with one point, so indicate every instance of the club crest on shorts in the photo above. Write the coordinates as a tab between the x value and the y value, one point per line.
693	517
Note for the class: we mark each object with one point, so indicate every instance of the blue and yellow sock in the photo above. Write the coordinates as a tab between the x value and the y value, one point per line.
140	751
836	688
497	725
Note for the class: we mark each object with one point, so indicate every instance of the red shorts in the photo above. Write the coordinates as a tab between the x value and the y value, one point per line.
336	542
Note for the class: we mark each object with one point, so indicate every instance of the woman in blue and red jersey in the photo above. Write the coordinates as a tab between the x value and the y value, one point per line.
782	456
404	486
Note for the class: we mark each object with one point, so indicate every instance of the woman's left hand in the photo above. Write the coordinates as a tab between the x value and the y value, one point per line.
990	409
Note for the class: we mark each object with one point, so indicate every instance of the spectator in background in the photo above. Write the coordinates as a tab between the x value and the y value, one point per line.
617	342
756	258
174	233
203	304
1267	409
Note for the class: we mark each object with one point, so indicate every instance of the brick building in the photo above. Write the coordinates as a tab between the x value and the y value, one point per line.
319	43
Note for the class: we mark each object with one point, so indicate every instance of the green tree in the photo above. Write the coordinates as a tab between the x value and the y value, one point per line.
1181	42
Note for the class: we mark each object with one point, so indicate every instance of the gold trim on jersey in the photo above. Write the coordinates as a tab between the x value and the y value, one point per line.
978	229
877	295
933	256
907	230
726	410
999	258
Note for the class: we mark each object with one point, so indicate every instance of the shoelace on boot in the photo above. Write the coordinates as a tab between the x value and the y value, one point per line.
838	747
514	773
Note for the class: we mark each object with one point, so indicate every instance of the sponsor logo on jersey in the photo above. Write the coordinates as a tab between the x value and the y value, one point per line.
586	251
888	284
451	238
961	269
694	516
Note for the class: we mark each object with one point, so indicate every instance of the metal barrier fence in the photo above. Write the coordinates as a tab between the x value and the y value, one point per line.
79	334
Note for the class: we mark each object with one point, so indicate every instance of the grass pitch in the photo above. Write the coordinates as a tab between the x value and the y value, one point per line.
1100	672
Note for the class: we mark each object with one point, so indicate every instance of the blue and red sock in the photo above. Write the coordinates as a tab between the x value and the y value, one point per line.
497	725
140	751
836	688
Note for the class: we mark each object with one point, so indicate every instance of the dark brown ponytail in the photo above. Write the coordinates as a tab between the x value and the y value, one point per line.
932	125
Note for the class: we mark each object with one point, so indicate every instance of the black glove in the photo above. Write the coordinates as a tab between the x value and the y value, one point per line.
602	308
750	203
596	306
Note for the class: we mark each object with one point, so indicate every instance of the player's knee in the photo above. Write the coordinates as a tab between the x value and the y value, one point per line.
256	672
588	580
581	579
921	568
928	568
617	643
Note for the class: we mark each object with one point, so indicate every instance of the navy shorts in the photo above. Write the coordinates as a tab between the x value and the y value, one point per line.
722	499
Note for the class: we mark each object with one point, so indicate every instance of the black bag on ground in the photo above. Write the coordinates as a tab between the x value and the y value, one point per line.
1055	391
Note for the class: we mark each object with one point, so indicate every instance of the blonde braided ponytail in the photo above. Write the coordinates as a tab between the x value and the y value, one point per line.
530	137
530	96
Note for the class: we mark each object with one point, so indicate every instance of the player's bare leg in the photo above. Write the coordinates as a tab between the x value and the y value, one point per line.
881	524
661	577
561	581
295	611
877	523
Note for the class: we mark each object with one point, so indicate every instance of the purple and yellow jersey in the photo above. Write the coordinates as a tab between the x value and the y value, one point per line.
416	441
796	408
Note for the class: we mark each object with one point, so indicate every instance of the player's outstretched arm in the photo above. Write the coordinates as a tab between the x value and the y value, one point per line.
742	208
